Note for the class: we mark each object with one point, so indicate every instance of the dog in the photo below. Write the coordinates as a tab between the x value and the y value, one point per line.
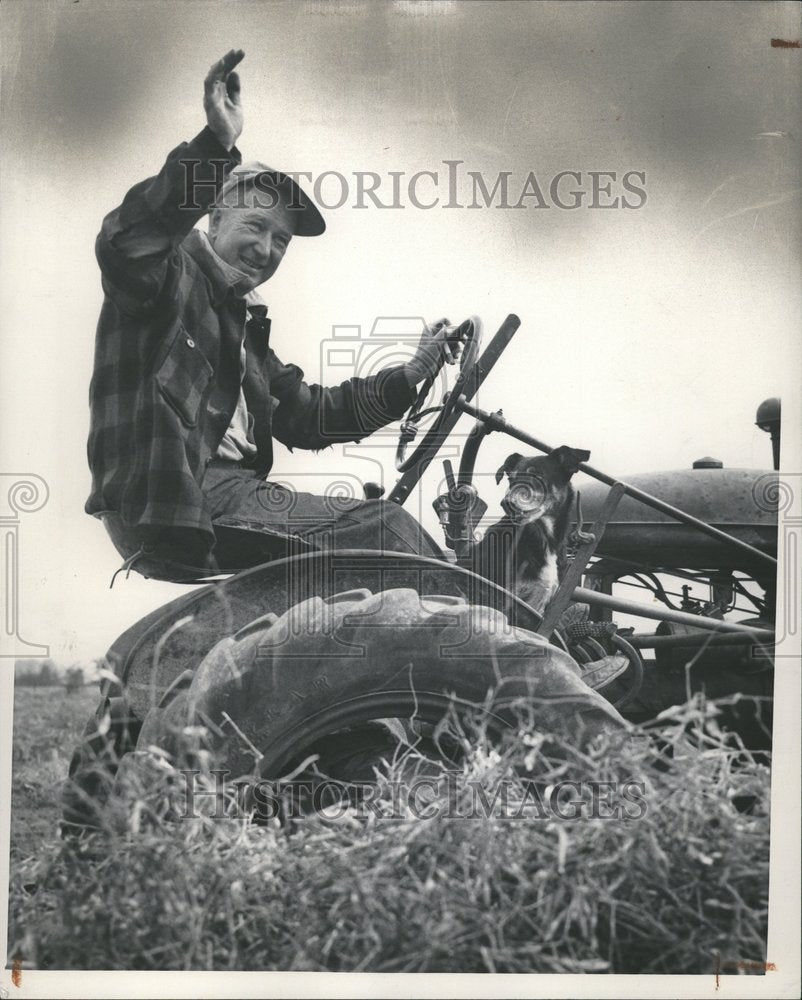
525	551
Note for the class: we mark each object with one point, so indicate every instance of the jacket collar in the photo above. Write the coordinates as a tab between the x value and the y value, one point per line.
223	277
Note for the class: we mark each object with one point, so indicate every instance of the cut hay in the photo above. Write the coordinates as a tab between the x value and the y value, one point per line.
379	890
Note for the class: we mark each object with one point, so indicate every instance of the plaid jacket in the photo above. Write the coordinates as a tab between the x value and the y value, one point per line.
167	359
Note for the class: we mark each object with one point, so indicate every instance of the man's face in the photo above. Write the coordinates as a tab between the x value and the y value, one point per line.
253	240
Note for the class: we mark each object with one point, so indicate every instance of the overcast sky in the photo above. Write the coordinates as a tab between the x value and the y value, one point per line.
649	335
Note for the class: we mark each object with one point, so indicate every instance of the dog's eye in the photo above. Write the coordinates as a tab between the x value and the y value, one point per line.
527	496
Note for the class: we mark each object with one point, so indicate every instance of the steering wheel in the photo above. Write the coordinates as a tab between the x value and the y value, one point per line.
471	329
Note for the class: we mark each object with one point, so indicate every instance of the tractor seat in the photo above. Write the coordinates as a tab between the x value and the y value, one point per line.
236	548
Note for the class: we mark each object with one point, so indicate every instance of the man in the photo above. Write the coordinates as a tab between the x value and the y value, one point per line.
187	394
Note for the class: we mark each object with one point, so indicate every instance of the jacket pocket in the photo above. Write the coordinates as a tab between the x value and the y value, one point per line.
183	376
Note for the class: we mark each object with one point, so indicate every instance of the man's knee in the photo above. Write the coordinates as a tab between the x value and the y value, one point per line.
400	530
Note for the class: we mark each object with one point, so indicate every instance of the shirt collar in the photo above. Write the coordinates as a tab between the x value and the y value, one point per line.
224	276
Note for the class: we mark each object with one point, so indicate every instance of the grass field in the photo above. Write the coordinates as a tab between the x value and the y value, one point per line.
663	892
47	724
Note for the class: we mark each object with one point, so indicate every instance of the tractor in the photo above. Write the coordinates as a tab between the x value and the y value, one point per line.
336	655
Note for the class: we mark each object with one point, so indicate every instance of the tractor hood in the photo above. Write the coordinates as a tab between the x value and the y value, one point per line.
742	502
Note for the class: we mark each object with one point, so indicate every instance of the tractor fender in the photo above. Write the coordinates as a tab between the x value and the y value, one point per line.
155	651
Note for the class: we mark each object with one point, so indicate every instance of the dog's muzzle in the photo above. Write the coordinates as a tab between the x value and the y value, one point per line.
523	502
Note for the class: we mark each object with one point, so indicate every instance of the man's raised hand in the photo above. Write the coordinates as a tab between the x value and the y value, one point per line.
221	98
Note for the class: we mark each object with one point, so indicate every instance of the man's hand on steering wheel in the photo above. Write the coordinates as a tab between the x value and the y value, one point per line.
439	343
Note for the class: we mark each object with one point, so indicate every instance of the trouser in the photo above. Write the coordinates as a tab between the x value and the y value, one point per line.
272	521
239	497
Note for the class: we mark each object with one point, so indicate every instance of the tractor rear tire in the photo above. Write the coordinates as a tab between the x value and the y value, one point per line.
110	734
281	685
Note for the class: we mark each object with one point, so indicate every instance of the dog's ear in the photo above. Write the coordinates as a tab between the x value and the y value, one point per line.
509	464
570	459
